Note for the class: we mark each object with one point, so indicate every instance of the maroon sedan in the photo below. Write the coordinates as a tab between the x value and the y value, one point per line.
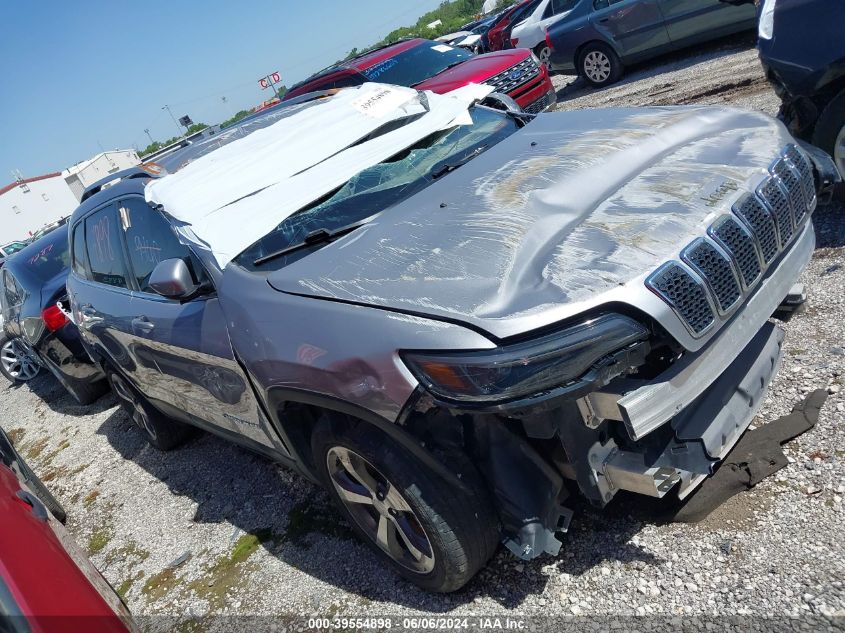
429	65
47	585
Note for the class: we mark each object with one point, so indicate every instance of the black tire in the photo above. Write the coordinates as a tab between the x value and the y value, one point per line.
87	392
4	339
460	527
829	129
160	431
544	53
46	497
599	65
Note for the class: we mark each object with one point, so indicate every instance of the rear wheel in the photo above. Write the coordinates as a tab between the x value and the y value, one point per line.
159	430
431	533
829	135
599	65
544	54
17	363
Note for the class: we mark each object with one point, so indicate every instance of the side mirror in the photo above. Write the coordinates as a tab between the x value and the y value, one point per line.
501	101
172	279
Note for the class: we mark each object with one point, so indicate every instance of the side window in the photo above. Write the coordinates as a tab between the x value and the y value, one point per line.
13	294
105	252
78	255
149	238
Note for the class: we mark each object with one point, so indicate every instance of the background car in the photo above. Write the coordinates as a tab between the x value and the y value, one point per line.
802	48
47	584
598	38
499	35
34	324
531	31
9	249
427	65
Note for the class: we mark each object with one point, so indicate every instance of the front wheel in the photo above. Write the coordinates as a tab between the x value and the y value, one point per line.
431	533
829	135
17	363
599	65
544	54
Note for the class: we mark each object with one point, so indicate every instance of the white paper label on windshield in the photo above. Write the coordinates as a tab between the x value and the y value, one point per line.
442	48
381	102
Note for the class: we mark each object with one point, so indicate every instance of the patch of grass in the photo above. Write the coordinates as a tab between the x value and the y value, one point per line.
131	554
306	518
63	471
16	435
123	589
49	457
99	539
194	625
160	584
227	573
90	498
37	448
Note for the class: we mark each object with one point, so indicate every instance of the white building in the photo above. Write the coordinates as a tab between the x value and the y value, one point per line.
90	171
28	204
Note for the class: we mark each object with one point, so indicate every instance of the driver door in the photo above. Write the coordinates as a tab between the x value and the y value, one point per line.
187	343
636	27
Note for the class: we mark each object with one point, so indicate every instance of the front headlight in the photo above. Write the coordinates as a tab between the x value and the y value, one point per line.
536	59
767	20
522	369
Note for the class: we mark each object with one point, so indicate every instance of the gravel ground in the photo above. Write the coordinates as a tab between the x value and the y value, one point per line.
212	529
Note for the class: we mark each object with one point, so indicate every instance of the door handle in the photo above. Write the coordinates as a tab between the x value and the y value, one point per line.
604	20
143	325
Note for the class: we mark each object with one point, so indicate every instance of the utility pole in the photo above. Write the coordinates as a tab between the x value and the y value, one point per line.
175	122
147	131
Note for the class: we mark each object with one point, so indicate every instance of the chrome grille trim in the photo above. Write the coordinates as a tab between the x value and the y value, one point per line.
739	242
721	270
503	81
772	194
717	271
805	172
684	291
760	222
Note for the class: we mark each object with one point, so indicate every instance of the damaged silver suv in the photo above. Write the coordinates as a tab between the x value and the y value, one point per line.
454	316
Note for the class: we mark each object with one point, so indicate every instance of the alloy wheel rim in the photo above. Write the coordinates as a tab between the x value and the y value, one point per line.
545	56
17	362
839	150
597	66
380	510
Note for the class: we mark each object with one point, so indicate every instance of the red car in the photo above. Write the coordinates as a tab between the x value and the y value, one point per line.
499	35
47	585
429	65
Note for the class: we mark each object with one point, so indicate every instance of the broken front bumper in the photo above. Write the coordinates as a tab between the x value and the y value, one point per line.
708	398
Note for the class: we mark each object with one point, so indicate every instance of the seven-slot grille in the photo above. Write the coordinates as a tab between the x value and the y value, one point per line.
717	271
515	76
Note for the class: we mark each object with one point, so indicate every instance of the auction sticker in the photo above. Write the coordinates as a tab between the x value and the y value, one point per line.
382	101
442	48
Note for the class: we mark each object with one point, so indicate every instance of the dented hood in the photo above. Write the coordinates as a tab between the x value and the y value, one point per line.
568	213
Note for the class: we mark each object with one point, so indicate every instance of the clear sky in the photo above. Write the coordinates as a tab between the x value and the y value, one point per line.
81	76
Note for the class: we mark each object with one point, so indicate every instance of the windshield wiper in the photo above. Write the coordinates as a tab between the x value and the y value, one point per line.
445	167
317	236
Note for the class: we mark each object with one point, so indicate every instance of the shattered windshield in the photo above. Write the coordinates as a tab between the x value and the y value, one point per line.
379	187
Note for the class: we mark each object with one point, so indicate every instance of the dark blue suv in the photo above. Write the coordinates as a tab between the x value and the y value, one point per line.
802	48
